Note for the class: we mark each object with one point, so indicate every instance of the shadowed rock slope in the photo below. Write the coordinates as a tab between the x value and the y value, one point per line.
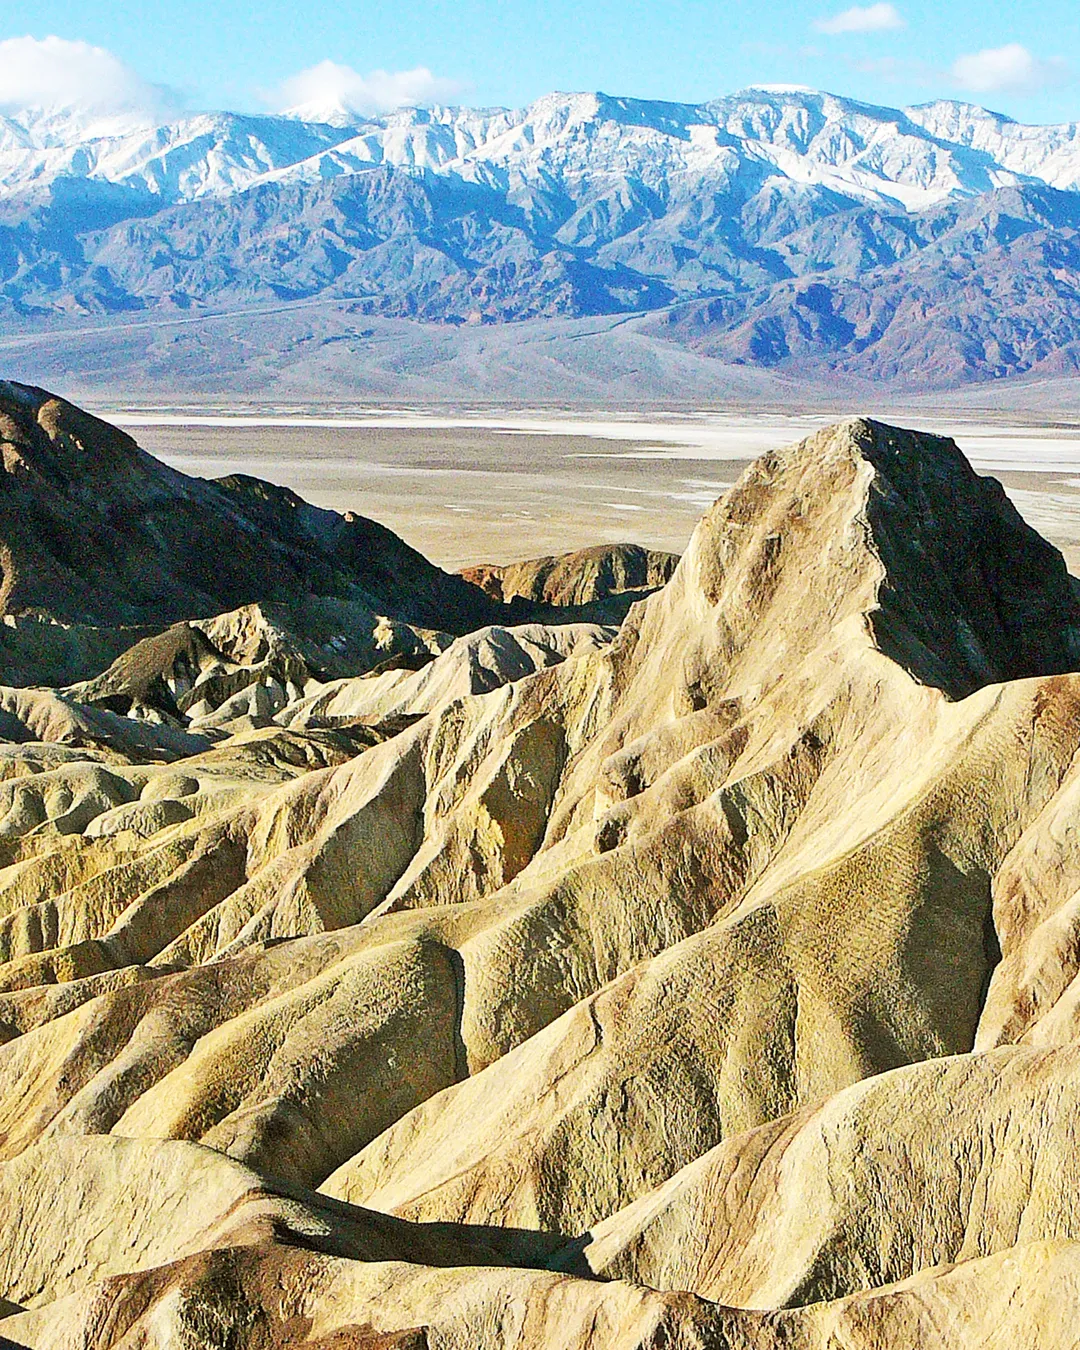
95	532
103	548
712	983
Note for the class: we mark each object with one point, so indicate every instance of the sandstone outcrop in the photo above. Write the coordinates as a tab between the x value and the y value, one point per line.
708	983
578	578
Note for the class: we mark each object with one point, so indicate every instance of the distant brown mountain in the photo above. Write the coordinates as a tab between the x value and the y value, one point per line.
784	230
579	578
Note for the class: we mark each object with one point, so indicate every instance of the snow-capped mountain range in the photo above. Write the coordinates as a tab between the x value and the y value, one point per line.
914	157
776	225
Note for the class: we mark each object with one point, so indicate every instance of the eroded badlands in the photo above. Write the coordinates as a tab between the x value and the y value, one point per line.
609	954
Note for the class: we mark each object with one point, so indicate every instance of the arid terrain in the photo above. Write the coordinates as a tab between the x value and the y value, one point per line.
472	487
613	951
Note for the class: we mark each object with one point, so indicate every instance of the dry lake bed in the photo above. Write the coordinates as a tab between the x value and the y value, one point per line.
494	488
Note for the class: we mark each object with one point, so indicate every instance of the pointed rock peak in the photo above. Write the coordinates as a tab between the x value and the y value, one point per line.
864	518
970	593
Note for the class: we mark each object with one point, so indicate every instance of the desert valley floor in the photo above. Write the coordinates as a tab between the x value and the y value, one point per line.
495	487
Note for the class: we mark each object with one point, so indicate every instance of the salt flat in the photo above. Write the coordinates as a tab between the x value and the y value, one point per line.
474	487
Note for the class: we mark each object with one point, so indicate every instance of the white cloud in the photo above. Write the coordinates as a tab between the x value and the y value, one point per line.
330	87
862	19
1011	69
54	74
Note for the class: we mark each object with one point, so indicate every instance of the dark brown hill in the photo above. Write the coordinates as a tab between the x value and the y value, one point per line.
93	530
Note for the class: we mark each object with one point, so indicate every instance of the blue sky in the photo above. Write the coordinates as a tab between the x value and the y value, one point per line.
1020	58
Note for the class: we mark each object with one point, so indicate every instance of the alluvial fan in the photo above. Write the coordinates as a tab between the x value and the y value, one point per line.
375	973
